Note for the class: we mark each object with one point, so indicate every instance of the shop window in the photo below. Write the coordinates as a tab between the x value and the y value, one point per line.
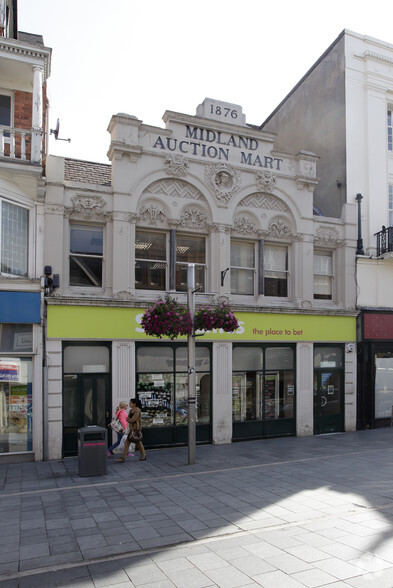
263	383
390	131
150	260
162	385
86	255
190	249
14	238
275	263
16	408
16	338
242	268
323	275
383	385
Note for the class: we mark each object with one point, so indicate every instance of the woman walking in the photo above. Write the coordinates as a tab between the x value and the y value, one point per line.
121	414
135	421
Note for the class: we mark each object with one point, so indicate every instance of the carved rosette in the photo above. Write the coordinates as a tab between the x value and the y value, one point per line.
223	179
266	180
328	237
88	208
176	165
152	214
123	295
193	218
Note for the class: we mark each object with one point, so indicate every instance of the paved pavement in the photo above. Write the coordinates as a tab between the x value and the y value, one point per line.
282	513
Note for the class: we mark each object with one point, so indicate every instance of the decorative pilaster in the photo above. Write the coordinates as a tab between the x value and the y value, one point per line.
37	116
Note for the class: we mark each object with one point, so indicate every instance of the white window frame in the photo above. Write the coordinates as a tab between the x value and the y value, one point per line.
80	223
166	261
252	269
11	95
279	270
30	239
330	276
390	128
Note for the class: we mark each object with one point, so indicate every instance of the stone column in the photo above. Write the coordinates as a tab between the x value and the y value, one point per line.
37	124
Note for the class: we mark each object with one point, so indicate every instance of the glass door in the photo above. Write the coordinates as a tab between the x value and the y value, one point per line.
328	390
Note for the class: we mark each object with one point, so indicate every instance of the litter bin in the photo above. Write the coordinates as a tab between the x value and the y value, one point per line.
92	451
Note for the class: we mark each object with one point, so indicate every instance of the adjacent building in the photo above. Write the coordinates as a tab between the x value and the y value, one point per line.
342	110
24	69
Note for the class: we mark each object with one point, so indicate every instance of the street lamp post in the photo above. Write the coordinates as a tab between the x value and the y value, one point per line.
191	366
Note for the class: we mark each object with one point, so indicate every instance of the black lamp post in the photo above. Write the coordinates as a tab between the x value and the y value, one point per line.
359	248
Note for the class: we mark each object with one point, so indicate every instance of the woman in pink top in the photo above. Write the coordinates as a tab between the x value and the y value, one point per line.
121	414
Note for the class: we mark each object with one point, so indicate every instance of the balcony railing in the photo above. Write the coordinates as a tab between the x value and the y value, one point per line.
384	240
19	144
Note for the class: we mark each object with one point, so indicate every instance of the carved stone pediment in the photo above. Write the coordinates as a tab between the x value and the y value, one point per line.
88	208
151	214
223	179
173	189
193	218
244	225
266	180
328	237
176	165
265	201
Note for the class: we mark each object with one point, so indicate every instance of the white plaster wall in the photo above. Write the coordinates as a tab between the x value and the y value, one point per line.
375	282
304	389
350	389
222	393
55	399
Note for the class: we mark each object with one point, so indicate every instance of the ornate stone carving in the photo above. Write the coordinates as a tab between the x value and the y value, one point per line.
219	228
279	230
133	217
266	201
244	226
176	165
328	237
123	295
55	209
174	188
88	207
193	218
266	180
152	214
224	180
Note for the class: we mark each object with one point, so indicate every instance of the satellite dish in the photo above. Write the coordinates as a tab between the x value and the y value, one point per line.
55	132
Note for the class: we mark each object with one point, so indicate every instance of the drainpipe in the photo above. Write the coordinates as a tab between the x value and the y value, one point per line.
359	248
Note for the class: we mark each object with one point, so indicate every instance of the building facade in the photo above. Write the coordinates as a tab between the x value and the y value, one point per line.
211	190
343	110
24	69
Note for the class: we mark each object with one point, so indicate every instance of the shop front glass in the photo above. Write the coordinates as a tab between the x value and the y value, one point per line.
263	390
16	405
383	385
162	388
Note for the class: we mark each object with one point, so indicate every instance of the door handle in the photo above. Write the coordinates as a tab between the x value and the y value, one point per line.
323	401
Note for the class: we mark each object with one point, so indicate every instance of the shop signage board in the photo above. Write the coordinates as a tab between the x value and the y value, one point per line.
78	322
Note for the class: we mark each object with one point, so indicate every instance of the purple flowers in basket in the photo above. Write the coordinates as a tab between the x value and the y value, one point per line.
167	318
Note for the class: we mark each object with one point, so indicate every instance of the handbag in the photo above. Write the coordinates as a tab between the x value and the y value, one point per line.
135	436
116	425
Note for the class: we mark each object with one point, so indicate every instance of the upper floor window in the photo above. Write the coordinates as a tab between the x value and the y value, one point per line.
390	131
390	195
323	275
275	262
150	260
242	268
190	249
5	110
264	269
14	238
161	263
86	255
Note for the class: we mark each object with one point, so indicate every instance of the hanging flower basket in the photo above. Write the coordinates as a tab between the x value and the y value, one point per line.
167	318
219	317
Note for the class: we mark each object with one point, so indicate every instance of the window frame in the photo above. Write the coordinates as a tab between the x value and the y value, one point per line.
253	269
6	135
285	246
29	239
165	234
390	205
76	223
198	265
390	129
326	253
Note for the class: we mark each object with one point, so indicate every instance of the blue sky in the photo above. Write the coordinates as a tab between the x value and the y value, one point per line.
143	58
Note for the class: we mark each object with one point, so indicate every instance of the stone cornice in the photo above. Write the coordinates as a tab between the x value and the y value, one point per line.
30	52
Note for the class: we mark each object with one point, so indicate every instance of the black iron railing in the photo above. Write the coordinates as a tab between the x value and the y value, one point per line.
384	240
